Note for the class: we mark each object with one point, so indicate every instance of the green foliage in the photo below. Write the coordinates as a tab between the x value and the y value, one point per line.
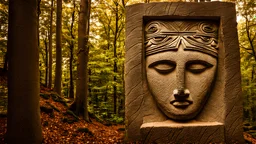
102	59
247	41
117	119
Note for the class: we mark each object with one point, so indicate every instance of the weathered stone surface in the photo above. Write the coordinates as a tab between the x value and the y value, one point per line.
192	132
158	68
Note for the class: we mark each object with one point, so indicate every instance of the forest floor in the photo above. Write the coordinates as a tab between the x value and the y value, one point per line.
60	125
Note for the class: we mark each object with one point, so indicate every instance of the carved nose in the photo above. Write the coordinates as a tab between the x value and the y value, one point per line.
181	93
180	79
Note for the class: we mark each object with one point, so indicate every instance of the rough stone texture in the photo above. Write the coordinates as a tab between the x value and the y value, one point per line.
224	106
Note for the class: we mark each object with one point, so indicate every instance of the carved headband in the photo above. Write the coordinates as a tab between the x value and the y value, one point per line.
168	36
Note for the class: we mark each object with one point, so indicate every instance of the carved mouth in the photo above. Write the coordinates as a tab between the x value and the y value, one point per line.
181	103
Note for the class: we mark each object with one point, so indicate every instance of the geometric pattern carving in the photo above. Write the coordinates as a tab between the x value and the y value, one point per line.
168	35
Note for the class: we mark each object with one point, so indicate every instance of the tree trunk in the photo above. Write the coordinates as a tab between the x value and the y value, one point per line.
115	57
83	57
50	47
38	16
71	87
46	61
24	124
58	72
5	62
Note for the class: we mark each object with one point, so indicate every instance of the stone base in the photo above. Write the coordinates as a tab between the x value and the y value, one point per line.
192	132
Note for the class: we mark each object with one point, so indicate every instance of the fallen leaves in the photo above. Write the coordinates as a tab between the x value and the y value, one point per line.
59	127
3	129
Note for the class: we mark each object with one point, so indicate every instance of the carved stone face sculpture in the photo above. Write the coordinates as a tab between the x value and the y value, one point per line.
181	62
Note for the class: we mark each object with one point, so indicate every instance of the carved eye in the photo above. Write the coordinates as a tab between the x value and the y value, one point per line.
163	66
197	66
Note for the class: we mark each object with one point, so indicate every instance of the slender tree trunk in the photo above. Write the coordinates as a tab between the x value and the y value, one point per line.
50	47
71	87
123	95
23	124
58	71
89	77
115	57
83	57
46	61
6	62
38	35
38	16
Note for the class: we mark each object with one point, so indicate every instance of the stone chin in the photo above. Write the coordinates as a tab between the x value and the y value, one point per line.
188	112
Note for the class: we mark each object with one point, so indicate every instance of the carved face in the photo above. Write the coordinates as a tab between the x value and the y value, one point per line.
180	79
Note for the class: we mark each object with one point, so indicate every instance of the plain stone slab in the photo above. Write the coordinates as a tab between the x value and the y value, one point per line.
192	132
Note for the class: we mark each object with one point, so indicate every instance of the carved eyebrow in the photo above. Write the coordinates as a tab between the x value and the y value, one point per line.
163	66
197	66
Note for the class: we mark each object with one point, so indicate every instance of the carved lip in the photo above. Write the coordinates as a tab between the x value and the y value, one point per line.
181	103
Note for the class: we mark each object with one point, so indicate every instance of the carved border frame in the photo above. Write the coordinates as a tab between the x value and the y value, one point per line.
229	57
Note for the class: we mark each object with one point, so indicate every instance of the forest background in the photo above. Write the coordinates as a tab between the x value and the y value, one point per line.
106	45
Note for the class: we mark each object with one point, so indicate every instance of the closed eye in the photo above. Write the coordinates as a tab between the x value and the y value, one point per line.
197	66
163	66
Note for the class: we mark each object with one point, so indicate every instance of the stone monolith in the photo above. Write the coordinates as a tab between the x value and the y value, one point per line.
182	73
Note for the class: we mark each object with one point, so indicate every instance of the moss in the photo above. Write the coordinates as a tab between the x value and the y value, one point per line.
55	97
45	96
52	106
58	98
72	114
63	101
